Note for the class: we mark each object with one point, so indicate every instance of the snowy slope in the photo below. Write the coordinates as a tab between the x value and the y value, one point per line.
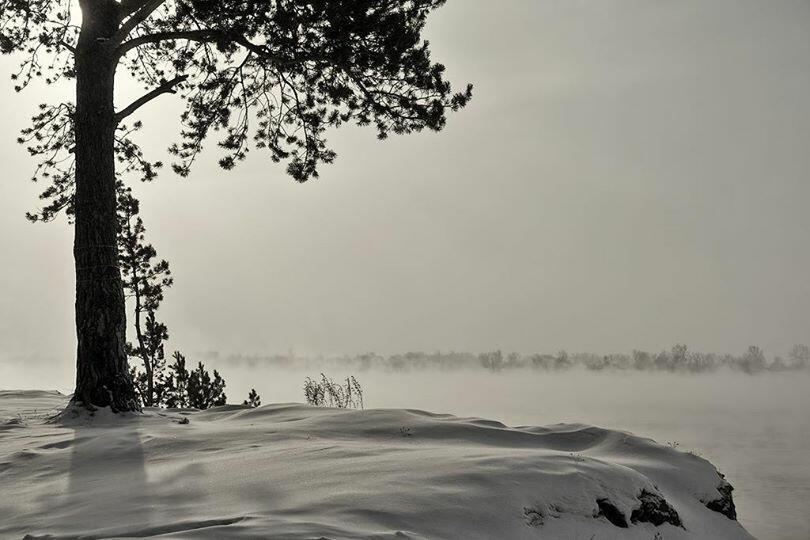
292	471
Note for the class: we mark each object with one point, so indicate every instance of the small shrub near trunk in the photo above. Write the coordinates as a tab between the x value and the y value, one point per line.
254	399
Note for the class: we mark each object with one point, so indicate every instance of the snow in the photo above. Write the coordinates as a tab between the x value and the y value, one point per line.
294	471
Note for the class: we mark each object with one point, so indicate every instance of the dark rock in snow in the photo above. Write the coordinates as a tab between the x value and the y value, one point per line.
725	504
656	510
534	517
609	511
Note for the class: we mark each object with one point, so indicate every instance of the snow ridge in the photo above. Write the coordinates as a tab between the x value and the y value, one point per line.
293	471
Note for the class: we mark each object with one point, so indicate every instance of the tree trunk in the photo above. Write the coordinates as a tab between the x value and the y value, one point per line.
102	373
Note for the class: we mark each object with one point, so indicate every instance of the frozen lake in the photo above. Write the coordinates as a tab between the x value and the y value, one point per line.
755	429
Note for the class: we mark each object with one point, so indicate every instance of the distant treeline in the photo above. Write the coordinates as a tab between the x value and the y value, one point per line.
679	359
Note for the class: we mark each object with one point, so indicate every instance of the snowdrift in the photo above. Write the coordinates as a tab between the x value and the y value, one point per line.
293	471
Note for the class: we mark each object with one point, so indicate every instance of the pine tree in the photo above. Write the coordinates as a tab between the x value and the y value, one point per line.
254	399
176	391
144	280
196	389
205	392
296	68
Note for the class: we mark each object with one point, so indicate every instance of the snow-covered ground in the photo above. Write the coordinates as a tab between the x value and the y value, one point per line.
293	471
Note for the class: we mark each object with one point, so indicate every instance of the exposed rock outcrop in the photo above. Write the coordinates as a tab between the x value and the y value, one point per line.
725	503
609	511
653	509
656	510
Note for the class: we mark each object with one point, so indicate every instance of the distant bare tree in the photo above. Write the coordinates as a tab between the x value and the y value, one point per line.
800	356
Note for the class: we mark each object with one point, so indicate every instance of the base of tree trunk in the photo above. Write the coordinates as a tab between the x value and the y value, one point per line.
118	394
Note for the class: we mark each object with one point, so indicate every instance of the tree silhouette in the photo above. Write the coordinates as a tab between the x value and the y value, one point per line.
254	399
144	280
274	74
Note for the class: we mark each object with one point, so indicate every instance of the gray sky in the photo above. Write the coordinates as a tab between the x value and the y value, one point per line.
629	174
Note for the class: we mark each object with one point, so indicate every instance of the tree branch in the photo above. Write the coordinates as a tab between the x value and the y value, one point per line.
165	88
68	46
128	7
144	10
204	35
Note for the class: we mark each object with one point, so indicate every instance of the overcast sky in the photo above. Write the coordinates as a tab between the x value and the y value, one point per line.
630	174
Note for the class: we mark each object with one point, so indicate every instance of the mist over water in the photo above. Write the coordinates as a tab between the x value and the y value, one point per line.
754	428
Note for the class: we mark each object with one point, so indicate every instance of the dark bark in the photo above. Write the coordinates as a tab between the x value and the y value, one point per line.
102	374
